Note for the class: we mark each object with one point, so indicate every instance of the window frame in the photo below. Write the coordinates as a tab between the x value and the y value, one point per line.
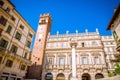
9	63
3	43
96	60
9	29
18	36
14	49
23	67
84	60
3	21
28	44
1	3
61	61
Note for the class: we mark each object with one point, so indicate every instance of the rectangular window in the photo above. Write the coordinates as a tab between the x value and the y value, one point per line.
14	49
61	61
22	27
50	60
7	9
25	56
96	60
12	18
3	43
9	63
1	3
3	21
23	67
18	36
9	29
94	43
83	45
84	60
28	43
30	35
0	60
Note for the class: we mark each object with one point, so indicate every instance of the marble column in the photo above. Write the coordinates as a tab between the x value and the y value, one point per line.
73	44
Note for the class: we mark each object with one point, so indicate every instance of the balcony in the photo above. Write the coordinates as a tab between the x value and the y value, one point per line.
6	35
85	66
99	66
49	67
4	12
18	42
8	53
61	67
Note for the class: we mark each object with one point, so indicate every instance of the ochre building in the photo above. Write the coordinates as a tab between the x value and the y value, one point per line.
15	41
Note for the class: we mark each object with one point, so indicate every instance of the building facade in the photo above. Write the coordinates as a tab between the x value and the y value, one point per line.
93	56
114	26
15	41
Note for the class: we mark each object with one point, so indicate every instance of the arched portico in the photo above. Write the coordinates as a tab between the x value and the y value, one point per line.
60	76
86	76
99	75
49	76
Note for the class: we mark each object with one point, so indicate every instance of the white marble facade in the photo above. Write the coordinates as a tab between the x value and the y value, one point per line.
93	56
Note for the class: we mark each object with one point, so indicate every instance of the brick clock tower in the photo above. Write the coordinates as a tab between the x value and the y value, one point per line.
41	37
39	47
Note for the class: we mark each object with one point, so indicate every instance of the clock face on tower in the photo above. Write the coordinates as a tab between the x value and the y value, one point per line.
40	36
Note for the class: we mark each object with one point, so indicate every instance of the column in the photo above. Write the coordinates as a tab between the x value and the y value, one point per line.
73	61
73	45
66	59
90	59
102	57
78	59
55	58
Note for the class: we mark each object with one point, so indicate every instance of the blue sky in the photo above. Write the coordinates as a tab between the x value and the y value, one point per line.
69	15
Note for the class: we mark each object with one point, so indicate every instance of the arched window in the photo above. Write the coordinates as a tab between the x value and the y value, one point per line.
60	76
49	76
98	76
86	76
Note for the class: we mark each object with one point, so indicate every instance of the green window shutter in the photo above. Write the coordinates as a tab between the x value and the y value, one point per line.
9	29
16	49
1	42
6	43
18	36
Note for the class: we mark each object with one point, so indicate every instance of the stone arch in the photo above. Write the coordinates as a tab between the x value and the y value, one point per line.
86	76
60	76
70	76
49	76
99	75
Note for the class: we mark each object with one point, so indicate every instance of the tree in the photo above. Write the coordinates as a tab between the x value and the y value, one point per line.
117	68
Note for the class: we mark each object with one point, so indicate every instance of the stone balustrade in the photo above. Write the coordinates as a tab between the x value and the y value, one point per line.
86	66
